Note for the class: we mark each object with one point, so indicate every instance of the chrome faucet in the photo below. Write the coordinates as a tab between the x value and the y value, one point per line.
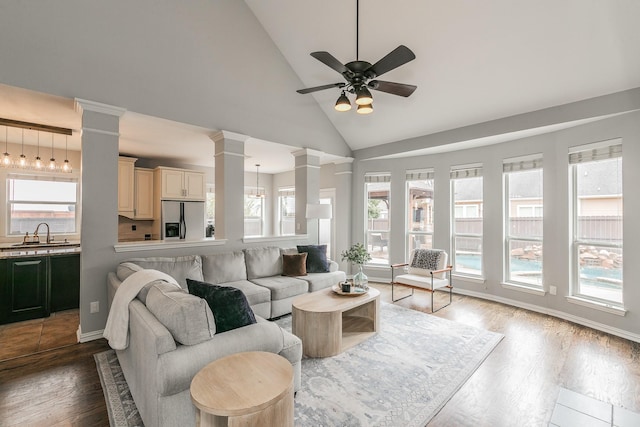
35	233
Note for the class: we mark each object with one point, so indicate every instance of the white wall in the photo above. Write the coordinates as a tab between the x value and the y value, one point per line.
554	148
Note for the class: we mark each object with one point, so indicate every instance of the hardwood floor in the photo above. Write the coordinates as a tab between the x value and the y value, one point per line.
517	385
33	336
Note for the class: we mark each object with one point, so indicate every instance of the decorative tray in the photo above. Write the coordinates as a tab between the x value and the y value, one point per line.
354	291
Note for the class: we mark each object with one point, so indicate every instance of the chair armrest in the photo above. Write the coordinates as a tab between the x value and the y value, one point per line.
448	268
399	265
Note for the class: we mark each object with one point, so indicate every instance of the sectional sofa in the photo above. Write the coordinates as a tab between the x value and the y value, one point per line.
169	341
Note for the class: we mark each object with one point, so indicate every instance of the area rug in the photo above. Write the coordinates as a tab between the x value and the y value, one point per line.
400	377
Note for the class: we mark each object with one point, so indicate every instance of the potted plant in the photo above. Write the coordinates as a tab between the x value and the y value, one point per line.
357	254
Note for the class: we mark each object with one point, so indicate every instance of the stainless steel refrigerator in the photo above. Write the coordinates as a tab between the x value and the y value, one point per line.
183	220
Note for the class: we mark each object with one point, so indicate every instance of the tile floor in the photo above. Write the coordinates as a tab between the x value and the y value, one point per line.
575	409
33	336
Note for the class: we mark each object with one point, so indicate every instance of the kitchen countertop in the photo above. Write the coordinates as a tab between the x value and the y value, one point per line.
10	250
151	245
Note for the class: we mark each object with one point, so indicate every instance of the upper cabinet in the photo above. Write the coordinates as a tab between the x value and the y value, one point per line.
126	178
143	193
135	190
180	184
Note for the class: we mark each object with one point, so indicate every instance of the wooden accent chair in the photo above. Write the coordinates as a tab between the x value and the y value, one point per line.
427	269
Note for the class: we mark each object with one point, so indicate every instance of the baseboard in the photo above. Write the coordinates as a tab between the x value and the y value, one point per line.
89	336
555	313
543	310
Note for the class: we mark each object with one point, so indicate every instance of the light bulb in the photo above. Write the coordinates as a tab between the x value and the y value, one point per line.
66	166
52	164
22	161
365	109
38	163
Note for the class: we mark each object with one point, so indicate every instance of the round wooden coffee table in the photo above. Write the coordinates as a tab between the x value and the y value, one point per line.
244	389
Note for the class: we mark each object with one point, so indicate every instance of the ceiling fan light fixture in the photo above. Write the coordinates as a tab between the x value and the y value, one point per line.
365	109
363	96
343	103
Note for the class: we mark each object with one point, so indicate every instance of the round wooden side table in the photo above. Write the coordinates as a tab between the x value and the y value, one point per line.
244	389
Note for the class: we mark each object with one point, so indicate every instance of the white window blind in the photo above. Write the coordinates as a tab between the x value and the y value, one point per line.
519	165
593	153
419	175
466	172
377	177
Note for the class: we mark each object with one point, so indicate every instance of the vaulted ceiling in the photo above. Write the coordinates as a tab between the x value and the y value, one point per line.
476	61
230	65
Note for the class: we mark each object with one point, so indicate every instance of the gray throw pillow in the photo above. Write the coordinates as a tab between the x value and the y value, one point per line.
187	317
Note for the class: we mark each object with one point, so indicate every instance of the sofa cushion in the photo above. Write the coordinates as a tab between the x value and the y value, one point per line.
188	318
263	262
229	305
318	281
317	258
282	287
224	267
180	268
294	265
255	294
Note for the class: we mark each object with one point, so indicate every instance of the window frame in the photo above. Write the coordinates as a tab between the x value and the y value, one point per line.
48	178
510	167
459	173
599	152
282	193
377	178
410	235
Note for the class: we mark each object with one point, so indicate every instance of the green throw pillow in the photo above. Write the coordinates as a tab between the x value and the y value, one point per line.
229	305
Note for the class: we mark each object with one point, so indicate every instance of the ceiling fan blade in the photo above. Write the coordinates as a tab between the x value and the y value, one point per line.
330	61
397	57
399	89
317	88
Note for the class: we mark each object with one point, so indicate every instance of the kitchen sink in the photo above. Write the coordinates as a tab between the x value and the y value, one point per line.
40	245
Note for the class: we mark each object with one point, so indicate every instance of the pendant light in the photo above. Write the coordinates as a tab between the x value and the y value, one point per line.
259	195
363	96
66	166
6	157
343	104
52	160
365	109
38	163
22	161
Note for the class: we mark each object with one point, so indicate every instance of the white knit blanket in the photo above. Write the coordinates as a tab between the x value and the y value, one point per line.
117	329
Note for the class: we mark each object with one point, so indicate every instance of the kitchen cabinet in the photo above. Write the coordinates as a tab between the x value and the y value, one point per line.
180	184
143	194
65	282
25	289
126	186
135	190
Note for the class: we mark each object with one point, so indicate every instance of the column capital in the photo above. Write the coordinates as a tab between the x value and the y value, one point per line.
225	134
98	107
307	152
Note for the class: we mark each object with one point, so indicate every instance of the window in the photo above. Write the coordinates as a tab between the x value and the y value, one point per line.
523	221
211	205
419	210
253	212
597	222
466	241
378	189
32	200
287	211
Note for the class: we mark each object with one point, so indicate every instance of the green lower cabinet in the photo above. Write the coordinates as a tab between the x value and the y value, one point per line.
65	282
26	289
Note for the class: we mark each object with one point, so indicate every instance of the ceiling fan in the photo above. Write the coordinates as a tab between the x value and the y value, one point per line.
361	76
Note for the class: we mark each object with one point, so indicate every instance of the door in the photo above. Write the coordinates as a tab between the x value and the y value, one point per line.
144	193
172	186
194	185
